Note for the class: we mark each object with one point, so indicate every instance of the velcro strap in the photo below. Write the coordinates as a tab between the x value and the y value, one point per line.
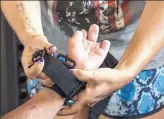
66	83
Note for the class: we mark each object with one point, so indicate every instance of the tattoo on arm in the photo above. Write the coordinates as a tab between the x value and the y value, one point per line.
22	9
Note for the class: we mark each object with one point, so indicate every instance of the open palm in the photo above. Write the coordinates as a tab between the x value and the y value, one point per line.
83	48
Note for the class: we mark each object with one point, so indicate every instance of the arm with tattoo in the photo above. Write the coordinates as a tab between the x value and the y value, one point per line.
24	17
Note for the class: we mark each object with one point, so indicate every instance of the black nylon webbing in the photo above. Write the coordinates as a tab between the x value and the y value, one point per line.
66	83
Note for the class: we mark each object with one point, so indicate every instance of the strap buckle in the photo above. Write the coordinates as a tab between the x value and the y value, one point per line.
68	62
37	56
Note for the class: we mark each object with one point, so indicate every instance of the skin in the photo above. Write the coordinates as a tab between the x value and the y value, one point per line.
26	23
137	55
46	103
104	81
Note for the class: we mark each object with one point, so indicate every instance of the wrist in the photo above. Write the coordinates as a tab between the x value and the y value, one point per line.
52	94
52	97
126	73
27	38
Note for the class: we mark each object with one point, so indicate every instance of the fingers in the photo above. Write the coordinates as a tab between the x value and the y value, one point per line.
84	33
35	70
78	35
91	105
51	49
39	42
77	106
75	44
102	49
45	80
37	67
82	75
91	76
93	33
42	76
76	40
105	45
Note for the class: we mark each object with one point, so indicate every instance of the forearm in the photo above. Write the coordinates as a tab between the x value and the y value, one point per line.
24	17
44	105
147	40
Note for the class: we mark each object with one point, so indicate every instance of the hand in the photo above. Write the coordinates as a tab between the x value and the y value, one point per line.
83	48
36	42
100	84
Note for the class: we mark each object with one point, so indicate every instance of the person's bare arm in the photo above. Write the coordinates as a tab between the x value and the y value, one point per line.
147	40
146	43
24	17
44	105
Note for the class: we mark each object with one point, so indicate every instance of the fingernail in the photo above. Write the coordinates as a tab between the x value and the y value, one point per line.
51	47
70	70
54	54
42	59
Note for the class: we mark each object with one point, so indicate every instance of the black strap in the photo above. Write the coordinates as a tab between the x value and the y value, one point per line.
96	110
109	62
66	84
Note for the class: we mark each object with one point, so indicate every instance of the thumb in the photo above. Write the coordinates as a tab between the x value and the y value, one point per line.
76	38
39	42
50	48
83	75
